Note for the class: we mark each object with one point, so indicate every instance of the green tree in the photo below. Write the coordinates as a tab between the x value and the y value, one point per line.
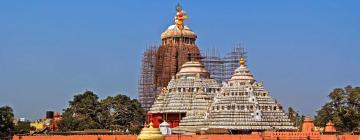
118	113
343	109
295	118
122	113
23	127
107	112
83	113
292	114
6	121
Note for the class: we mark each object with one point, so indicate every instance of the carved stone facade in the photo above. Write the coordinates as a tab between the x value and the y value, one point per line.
188	93
178	46
192	102
244	104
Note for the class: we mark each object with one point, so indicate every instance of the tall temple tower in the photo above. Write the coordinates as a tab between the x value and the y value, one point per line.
177	47
161	63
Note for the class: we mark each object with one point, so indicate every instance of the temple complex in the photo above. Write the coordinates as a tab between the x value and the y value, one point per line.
191	101
185	102
242	106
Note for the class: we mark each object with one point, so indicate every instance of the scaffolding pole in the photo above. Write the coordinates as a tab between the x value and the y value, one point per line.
222	68
147	88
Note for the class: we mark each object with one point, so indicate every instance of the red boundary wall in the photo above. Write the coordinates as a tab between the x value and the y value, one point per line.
275	136
213	137
78	137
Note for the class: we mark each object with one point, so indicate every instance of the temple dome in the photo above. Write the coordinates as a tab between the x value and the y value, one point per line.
174	31
242	72
330	127
192	69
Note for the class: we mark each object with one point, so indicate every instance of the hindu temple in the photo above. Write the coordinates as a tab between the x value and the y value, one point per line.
191	91
242	105
177	47
191	101
184	101
245	105
162	62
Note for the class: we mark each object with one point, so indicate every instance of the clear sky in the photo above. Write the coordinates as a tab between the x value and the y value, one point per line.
52	50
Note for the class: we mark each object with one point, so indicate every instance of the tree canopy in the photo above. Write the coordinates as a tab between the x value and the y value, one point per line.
6	121
296	118
123	113
343	109
119	113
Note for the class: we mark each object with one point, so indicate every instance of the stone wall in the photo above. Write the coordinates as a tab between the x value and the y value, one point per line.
78	137
268	136
169	60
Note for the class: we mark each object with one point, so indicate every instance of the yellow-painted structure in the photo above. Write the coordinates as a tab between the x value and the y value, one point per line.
150	133
39	125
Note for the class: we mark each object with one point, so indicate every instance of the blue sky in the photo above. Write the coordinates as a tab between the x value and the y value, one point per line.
52	50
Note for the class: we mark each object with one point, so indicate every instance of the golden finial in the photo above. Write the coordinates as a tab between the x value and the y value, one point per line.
242	61
180	17
151	125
